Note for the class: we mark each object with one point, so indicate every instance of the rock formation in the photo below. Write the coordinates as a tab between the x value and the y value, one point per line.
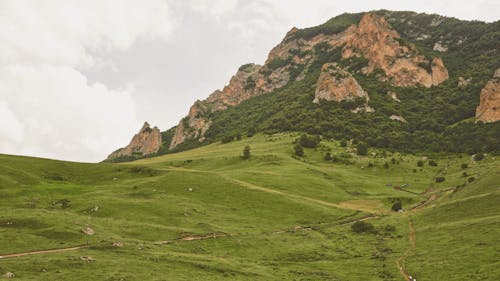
398	118
147	141
462	82
488	110
336	84
372	38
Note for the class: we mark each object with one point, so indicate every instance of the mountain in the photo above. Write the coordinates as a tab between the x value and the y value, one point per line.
396	80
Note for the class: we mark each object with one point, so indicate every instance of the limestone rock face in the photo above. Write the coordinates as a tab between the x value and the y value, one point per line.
377	42
372	38
147	141
488	110
336	84
241	87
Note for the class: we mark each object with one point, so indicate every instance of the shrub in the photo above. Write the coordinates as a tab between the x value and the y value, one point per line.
63	203
251	132
432	163
238	136
397	206
471	179
328	156
440	179
420	163
299	151
465	166
370	164
246	152
309	141
227	139
386	165
362	227
343	143
362	149
479	157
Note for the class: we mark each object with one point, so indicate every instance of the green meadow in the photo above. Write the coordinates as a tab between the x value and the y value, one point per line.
208	214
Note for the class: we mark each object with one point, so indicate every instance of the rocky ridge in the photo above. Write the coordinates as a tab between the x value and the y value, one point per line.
488	110
146	142
372	38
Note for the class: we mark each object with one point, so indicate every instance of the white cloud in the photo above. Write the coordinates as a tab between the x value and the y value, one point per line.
47	106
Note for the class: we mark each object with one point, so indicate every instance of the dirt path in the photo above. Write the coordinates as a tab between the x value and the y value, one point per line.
412	237
42	252
341	205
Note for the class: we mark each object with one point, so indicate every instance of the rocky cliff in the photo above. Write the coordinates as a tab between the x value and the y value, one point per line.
372	39
488	110
337	84
146	142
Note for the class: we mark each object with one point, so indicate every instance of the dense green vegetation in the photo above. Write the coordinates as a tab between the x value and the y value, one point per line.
274	216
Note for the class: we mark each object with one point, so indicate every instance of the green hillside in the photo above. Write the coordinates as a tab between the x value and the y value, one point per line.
208	214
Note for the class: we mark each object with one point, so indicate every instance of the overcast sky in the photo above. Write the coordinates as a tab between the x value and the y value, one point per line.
78	78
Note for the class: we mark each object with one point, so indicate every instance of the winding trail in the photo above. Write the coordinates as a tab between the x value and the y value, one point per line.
412	238
43	252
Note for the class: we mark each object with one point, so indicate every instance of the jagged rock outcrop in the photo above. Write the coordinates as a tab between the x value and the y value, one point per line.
242	86
337	84
488	110
398	118
146	142
382	46
393	96
462	82
372	38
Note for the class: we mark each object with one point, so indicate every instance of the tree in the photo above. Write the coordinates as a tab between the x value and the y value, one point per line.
299	151
343	143
328	156
440	179
362	149
397	206
246	152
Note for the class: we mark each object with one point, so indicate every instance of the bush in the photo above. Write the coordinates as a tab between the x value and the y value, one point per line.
362	149
63	203
227	139
386	165
251	132
440	179
238	136
397	206
246	152
420	163
328	156
465	166
362	227
464	174
298	150
343	143
309	141
471	179
433	163
479	157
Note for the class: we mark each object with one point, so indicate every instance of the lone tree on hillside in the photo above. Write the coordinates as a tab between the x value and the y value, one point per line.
362	149
246	152
299	151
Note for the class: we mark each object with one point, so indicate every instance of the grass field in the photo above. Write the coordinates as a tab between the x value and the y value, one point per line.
207	214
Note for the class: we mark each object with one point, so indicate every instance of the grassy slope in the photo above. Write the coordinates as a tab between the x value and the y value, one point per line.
259	203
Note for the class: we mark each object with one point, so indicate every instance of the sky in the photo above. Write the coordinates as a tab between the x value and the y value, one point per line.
78	78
